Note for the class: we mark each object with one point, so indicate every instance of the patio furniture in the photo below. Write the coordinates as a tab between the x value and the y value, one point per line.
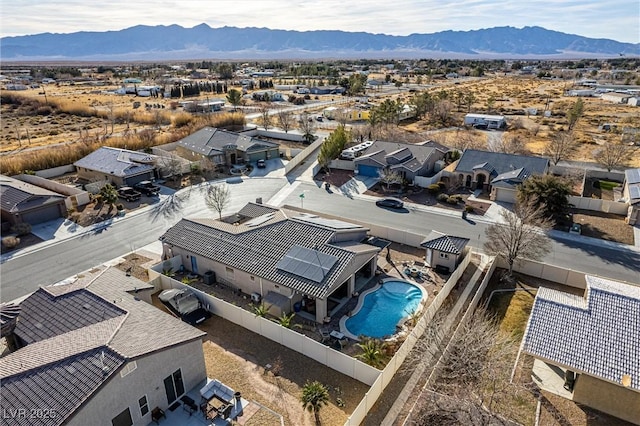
189	405
157	414
324	335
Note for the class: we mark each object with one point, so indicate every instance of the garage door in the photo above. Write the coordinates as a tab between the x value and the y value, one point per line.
364	170
505	195
44	214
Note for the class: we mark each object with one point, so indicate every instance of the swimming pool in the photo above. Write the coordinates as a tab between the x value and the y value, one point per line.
381	309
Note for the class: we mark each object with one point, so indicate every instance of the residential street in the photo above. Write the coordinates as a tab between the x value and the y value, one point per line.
63	259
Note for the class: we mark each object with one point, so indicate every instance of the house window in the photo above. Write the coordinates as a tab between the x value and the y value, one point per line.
444	255
144	406
128	368
230	273
122	419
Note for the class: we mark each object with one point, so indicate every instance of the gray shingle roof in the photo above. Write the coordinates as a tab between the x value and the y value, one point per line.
444	243
596	334
406	155
500	162
258	250
117	162
511	178
17	196
210	141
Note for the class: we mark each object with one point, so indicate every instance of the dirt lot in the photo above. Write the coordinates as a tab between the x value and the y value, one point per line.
605	226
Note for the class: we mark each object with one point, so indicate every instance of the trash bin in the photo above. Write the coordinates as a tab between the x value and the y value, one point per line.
297	306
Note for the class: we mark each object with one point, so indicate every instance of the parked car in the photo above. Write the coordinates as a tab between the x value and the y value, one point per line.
319	118
147	187
576	228
183	303
128	193
393	203
261	164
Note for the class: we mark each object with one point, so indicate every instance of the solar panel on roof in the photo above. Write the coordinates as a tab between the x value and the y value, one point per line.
307	263
329	223
633	175
634	192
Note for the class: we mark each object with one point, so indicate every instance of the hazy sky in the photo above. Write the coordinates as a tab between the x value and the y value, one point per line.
614	19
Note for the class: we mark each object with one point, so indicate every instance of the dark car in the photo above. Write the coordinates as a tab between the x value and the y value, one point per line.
184	304
261	164
393	203
128	193
147	188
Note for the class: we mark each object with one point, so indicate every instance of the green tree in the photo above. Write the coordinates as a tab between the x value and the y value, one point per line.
386	113
575	113
226	71
217	197
332	146
548	192
109	195
234	97
314	396
372	352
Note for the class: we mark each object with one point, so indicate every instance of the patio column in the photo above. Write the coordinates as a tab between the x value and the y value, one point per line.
321	310
373	265
351	286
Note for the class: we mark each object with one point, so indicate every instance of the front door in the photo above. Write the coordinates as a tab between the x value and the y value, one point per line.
173	386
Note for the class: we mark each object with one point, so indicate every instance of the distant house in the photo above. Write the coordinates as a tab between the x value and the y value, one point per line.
349	114
98	353
497	173
120	167
631	194
327	90
444	250
408	160
226	148
283	257
586	348
616	98
485	121
24	202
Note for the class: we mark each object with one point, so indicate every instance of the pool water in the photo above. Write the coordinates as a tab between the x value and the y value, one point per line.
383	308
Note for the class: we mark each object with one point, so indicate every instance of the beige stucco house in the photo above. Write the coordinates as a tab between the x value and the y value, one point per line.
593	337
98	353
631	194
283	258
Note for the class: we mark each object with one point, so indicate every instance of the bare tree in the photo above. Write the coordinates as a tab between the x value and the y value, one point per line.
390	177
614	154
265	116
285	120
217	197
470	383
465	139
342	116
442	112
561	146
307	127
509	144
523	234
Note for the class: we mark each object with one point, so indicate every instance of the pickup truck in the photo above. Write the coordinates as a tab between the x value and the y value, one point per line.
128	193
147	187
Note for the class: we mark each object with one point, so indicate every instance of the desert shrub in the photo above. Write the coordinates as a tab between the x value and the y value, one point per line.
452	200
442	197
44	110
182	119
10	242
21	229
468	209
434	188
441	184
119	207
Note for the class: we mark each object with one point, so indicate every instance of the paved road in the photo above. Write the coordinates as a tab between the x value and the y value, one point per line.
613	260
25	273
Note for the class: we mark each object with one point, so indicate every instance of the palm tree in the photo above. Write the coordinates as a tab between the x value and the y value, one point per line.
371	352
261	310
314	396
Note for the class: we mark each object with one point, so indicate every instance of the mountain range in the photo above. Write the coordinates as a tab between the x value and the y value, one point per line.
151	43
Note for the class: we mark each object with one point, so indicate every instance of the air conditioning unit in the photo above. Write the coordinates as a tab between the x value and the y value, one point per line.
255	297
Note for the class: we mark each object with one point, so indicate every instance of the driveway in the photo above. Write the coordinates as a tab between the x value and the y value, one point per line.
274	168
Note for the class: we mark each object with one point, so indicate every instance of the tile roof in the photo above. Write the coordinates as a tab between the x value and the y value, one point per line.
596	334
17	196
258	250
210	141
117	162
499	162
44	316
77	339
444	243
60	388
